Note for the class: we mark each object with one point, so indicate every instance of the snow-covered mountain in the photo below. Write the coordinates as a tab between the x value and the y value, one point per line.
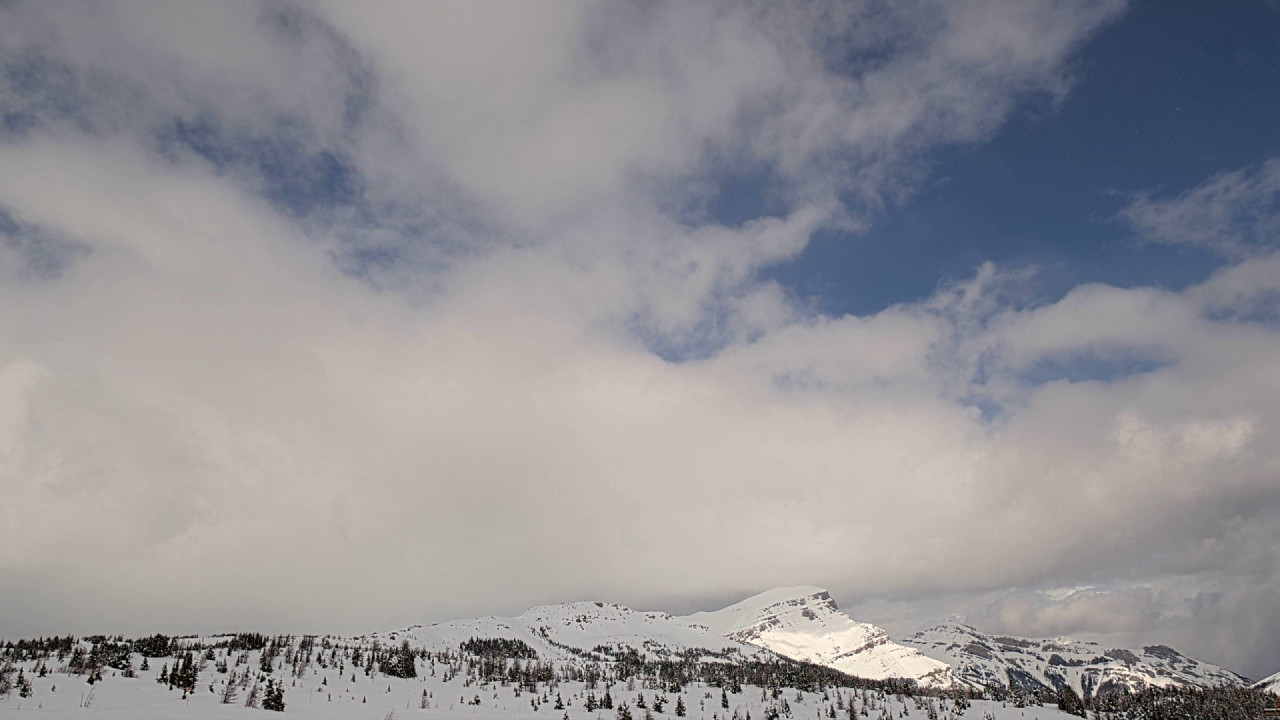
986	661
1271	684
566	630
804	623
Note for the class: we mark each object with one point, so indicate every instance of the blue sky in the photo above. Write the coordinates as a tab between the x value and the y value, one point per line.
1165	97
293	296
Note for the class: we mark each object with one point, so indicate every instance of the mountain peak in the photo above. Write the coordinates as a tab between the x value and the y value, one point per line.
804	623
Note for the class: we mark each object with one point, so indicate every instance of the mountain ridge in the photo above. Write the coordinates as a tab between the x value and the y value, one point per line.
804	623
986	661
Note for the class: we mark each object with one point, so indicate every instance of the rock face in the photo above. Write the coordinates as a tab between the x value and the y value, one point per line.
804	623
993	661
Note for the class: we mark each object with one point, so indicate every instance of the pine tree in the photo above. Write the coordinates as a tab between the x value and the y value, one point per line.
273	698
1070	702
252	700
724	699
228	691
624	712
680	710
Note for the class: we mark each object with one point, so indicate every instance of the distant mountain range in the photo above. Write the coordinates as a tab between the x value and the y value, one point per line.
804	623
982	661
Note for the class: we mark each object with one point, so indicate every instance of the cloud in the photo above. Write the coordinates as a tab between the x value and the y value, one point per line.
1233	213
507	354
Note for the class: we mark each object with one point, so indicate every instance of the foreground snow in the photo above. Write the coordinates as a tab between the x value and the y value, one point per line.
118	698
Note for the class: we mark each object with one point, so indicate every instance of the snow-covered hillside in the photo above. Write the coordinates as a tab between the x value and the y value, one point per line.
804	623
565	630
984	661
1270	684
582	661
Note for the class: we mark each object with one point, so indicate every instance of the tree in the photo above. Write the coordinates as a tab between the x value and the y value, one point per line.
273	698
680	710
228	691
403	664
724	699
252	700
1069	701
624	712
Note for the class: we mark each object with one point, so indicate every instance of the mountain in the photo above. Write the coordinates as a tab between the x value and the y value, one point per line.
1270	684
804	623
567	630
987	661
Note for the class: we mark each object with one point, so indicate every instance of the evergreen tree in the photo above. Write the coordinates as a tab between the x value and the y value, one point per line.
680	709
228	691
273	698
252	700
624	712
724	699
1069	702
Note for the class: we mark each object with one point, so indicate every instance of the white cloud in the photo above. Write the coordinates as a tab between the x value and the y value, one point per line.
1233	213
200	399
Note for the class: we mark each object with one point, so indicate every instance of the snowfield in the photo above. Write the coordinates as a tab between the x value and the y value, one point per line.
118	698
564	661
803	623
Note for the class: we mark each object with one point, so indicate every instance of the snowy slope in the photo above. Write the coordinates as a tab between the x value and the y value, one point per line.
981	660
803	623
566	630
1270	683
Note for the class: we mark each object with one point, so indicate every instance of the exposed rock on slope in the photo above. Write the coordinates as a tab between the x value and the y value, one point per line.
986	661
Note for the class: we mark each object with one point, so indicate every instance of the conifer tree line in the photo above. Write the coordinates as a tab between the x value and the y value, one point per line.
615	678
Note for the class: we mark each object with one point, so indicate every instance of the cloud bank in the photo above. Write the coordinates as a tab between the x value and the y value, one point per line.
336	318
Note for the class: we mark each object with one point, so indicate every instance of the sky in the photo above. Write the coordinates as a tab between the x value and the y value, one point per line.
339	317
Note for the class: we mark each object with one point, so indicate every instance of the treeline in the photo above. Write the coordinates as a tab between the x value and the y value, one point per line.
1182	703
256	658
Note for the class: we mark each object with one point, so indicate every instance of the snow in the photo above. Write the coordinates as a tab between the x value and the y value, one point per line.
1271	684
981	660
804	623
119	698
584	625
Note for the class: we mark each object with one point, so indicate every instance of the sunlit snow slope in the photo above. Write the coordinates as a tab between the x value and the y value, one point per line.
803	623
